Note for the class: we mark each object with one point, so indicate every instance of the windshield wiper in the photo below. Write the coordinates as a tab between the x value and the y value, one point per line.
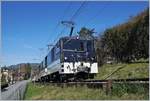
72	50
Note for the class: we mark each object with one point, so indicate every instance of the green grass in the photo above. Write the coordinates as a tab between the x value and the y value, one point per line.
49	92
119	91
133	70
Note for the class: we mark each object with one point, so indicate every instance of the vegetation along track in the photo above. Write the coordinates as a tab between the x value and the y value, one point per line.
104	84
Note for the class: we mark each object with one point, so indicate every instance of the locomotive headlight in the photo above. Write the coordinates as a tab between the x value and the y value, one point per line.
66	58
93	58
45	69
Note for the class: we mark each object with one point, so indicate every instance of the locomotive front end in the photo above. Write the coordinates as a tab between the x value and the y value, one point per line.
78	57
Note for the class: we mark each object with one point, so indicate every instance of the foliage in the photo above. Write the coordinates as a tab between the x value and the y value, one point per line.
101	51
129	41
86	33
51	92
28	71
128	89
3	80
119	91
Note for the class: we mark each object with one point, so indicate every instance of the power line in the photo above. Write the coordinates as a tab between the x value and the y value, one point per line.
96	15
60	34
77	11
62	17
54	30
58	23
73	17
65	11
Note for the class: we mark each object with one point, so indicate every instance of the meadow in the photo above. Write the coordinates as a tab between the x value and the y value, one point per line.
119	91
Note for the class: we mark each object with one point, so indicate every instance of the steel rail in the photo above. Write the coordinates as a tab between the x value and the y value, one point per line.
130	80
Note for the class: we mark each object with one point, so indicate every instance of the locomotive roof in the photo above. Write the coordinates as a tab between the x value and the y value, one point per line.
76	38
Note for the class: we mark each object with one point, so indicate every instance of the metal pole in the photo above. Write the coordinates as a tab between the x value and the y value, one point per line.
71	31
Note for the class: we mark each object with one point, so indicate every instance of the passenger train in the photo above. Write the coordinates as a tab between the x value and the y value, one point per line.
72	58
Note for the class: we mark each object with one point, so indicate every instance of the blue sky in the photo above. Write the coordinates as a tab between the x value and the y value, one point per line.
27	27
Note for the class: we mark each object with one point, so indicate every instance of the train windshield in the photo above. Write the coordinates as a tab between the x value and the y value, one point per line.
77	45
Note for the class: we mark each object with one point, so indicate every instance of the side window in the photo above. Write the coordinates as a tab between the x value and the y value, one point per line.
46	62
39	68
52	54
57	51
89	46
43	63
81	46
49	58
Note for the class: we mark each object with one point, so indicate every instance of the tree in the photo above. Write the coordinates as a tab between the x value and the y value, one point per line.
28	71
86	33
128	41
101	51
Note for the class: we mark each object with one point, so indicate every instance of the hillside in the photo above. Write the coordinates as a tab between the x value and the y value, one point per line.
21	71
126	42
33	65
119	92
84	93
123	71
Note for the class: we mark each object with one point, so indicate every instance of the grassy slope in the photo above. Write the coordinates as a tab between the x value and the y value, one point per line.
53	92
134	70
47	92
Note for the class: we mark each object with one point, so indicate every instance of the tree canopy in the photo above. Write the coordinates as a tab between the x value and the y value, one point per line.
130	40
86	33
124	42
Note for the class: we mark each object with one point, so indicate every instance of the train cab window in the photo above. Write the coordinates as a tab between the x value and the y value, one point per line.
74	45
89	46
81	46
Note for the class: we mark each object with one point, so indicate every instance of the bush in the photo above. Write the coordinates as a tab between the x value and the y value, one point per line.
139	89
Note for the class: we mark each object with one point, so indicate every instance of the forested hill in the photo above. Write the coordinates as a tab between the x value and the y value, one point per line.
126	42
14	67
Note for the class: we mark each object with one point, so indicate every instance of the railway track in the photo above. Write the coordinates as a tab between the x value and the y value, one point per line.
106	85
101	82
121	80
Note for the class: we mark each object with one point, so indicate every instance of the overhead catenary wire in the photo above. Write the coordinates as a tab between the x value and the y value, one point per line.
77	12
96	15
74	15
65	12
59	22
60	34
62	17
